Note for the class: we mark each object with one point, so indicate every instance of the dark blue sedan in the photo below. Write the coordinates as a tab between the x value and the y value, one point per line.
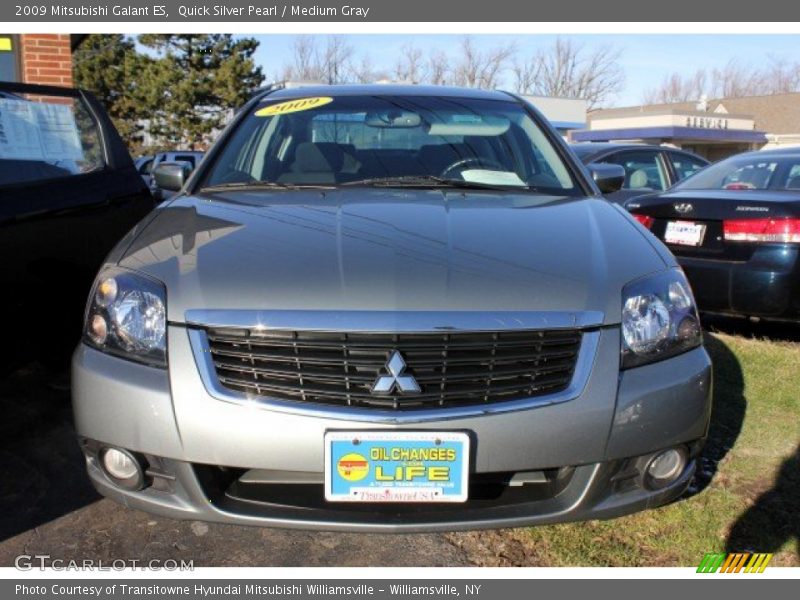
735	229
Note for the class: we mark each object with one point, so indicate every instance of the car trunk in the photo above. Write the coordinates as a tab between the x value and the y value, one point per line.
710	209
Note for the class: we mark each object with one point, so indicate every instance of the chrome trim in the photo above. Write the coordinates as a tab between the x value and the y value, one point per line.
208	373
392	321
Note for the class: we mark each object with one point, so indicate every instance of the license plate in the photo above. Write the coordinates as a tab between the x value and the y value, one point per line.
684	233
395	466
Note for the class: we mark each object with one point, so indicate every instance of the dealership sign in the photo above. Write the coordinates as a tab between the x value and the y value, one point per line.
707	122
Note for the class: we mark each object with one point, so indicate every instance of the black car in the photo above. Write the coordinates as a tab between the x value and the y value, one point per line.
735	229
69	192
648	169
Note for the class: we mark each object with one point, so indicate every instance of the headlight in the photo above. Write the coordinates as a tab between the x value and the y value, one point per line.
127	316
659	319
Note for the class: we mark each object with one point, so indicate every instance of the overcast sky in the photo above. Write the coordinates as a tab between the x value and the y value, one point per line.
646	59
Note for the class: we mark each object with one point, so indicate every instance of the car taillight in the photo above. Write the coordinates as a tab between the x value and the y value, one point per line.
762	230
645	220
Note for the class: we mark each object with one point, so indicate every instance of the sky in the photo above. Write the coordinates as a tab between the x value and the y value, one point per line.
646	59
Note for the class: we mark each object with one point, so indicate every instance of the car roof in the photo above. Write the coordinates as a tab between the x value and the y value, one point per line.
590	150
603	146
379	89
596	147
790	152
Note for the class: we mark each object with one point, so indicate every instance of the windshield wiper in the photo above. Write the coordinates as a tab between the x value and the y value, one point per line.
427	181
240	185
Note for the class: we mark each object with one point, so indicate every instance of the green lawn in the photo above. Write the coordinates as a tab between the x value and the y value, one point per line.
752	501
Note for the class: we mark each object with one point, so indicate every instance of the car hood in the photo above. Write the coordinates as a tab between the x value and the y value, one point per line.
391	250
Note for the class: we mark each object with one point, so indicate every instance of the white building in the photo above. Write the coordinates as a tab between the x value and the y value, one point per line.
712	128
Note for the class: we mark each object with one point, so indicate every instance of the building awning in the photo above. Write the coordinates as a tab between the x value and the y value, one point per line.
692	134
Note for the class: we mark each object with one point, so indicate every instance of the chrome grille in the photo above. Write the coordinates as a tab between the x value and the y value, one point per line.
452	369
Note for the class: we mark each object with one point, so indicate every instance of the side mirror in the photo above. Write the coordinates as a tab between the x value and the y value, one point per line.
171	176
608	177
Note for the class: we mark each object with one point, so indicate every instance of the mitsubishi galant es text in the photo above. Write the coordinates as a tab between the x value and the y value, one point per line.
389	308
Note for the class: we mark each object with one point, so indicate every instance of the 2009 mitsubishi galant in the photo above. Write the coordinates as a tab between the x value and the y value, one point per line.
391	309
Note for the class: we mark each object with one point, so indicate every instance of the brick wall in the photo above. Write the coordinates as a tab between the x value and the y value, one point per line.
46	58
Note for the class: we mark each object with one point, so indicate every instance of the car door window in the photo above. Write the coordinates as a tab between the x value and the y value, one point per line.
793	177
644	170
684	165
186	158
146	168
47	137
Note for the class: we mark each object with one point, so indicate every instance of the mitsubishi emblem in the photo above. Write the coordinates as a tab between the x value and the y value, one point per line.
397	378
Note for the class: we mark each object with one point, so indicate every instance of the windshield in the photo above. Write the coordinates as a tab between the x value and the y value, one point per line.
751	172
398	140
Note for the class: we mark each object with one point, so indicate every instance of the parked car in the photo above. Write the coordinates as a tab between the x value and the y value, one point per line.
190	157
735	229
391	308
69	192
144	165
648	168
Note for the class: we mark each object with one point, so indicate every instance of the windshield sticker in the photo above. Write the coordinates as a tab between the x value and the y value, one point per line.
293	106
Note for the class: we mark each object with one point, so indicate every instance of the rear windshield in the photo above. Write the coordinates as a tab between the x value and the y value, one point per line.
752	172
351	139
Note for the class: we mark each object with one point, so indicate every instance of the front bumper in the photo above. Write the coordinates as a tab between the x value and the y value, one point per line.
588	447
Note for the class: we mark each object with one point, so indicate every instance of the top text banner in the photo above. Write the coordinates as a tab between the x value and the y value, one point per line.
320	11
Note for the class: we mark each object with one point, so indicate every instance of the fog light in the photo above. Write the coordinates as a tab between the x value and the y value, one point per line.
122	467
666	467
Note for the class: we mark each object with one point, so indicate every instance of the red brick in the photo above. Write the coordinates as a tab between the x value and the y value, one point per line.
46	64
55	72
51	44
47	56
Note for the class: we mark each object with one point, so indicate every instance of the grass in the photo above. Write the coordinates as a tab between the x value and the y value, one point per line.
750	497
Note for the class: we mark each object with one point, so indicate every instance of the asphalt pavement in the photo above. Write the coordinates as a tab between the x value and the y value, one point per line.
48	506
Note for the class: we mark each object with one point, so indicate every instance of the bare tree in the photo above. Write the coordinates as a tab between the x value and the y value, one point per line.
305	64
481	69
784	75
409	64
567	70
333	63
734	80
675	88
526	74
437	69
337	59
364	71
